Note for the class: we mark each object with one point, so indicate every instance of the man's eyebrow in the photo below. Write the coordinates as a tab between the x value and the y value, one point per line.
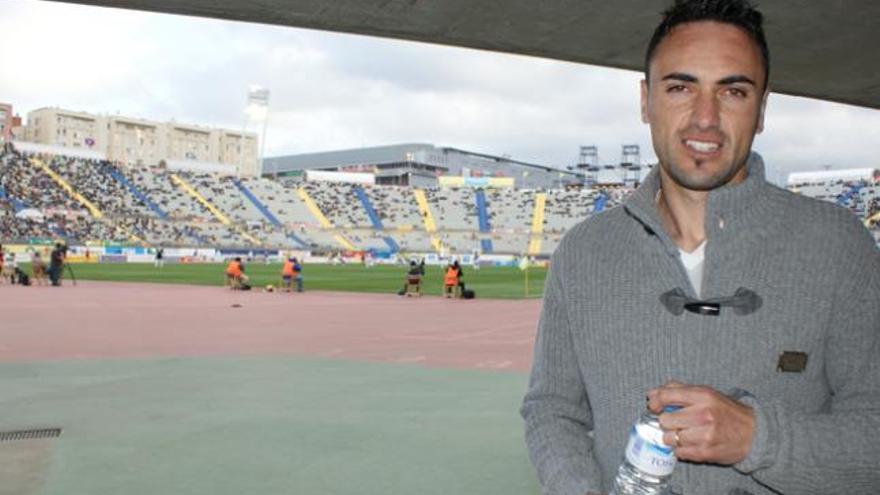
679	76
736	79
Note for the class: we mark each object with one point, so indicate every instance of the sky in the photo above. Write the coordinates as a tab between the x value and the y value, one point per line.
337	91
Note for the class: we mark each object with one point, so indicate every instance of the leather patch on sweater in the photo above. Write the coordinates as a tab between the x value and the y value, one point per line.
792	362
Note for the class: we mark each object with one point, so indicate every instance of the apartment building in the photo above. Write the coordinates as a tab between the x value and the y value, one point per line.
143	142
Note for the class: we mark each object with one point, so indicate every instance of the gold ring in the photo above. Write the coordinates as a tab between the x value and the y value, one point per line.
677	439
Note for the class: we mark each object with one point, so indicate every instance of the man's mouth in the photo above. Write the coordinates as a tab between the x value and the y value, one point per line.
699	146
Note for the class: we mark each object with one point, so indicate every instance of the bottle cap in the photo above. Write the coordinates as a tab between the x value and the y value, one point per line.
671	408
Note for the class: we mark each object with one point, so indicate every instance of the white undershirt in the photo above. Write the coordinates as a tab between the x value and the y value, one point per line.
693	264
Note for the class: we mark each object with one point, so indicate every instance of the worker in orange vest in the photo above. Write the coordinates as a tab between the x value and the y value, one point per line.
235	276
452	279
287	274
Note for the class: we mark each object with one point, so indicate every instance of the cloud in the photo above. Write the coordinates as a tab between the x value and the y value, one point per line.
332	91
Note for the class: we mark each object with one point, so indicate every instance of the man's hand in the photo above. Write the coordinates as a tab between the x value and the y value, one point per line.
709	427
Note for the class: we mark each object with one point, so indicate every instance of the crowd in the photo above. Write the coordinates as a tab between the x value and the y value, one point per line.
395	206
157	185
510	209
453	208
339	203
94	180
222	193
29	185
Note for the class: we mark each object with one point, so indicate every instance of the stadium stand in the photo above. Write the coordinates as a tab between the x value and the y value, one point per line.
222	193
87	199
340	204
566	207
510	209
32	187
395	206
93	179
156	184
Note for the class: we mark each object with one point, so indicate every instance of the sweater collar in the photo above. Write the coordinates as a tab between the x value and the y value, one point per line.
726	204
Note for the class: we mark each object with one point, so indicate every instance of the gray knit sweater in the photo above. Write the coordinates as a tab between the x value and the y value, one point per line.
604	339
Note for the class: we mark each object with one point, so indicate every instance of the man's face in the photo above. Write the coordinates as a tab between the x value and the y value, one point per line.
705	103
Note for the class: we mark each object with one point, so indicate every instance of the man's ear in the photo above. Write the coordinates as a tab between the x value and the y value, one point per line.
761	112
644	88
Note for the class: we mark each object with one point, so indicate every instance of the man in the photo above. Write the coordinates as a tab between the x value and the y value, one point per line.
413	283
2	264
56	264
38	268
751	307
452	280
287	274
290	272
11	269
297	275
235	277
160	258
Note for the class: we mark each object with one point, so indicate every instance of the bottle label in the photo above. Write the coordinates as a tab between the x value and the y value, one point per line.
647	452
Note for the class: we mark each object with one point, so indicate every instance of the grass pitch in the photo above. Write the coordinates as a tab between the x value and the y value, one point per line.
488	282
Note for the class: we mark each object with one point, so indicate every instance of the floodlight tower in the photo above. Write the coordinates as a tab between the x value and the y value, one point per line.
631	162
589	162
257	109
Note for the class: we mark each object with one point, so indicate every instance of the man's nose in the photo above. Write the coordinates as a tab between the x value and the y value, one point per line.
705	112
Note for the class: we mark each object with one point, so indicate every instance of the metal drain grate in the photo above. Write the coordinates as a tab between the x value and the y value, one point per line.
12	436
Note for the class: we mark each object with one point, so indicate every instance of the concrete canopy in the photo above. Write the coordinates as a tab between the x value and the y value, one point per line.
824	50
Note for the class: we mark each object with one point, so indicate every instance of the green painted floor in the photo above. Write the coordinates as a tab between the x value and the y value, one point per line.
267	425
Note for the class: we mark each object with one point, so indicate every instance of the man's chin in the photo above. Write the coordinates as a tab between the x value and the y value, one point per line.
700	179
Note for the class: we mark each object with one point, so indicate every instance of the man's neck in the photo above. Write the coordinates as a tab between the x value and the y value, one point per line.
682	212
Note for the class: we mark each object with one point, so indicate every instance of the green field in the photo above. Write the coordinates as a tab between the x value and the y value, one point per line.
488	282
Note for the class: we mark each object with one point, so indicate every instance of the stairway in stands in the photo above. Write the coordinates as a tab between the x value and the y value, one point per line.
600	202
374	218
537	224
428	219
483	216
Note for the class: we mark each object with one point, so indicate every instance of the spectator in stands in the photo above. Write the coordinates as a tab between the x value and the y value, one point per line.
710	275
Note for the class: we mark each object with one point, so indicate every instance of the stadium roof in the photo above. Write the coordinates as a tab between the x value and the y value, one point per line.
822	50
390	154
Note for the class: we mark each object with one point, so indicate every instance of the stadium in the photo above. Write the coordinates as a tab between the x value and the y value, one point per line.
145	373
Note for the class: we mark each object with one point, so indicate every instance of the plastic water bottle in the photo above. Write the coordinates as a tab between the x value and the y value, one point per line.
648	462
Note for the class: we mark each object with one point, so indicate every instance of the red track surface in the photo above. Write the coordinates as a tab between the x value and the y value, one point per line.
125	320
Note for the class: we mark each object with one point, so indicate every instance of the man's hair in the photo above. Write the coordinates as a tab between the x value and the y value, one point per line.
739	13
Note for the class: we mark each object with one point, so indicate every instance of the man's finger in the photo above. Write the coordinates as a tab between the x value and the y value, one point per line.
694	454
677	420
683	395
